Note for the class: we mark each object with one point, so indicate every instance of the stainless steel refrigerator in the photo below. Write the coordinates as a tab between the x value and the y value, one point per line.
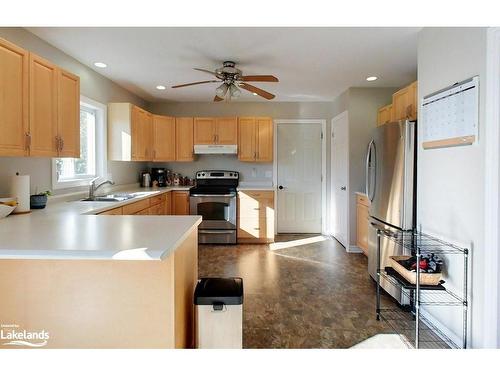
390	186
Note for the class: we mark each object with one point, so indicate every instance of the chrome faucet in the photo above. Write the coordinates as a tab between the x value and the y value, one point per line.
93	187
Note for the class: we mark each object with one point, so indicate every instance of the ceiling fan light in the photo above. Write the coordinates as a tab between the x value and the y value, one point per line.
234	91
221	90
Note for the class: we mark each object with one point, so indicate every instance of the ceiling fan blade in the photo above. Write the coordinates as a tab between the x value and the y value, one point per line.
260	78
217	99
260	92
206	71
193	83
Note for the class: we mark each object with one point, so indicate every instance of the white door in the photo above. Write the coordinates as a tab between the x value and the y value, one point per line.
299	177
340	176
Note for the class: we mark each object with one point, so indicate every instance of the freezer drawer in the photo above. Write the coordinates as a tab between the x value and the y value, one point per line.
387	249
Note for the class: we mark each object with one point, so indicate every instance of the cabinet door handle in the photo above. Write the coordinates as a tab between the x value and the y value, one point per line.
62	143
28	141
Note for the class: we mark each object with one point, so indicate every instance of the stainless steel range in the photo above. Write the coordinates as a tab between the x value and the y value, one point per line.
214	198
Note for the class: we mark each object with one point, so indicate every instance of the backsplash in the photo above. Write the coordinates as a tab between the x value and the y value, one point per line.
250	173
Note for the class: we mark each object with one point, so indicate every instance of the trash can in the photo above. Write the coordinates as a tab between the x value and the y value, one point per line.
219	313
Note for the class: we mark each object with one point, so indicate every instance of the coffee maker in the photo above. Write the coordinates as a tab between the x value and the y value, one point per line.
160	176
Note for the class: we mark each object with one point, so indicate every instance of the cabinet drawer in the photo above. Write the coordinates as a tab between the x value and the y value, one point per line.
363	199
255	208
143	212
133	208
157	209
255	227
256	194
157	199
114	211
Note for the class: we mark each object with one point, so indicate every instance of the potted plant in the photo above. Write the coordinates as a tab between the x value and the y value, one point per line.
39	200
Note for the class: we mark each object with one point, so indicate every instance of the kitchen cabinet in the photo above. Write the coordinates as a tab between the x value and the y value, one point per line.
204	131
255	141
136	207
255	216
215	130
404	103
68	123
362	216
14	110
157	209
43	118
163	138
184	139
114	211
167	204
39	106
180	202
384	115
141	131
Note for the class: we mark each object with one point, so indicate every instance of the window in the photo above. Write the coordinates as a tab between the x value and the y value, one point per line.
71	172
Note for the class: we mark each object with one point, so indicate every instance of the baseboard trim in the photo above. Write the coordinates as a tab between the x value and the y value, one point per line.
354	249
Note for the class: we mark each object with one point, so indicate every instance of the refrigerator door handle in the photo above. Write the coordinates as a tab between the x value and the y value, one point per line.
371	146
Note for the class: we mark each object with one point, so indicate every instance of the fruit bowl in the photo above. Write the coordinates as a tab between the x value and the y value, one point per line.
7	205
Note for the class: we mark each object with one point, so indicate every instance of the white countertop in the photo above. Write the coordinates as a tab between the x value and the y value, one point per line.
255	186
71	230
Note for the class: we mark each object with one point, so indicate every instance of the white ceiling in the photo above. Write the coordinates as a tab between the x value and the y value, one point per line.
312	64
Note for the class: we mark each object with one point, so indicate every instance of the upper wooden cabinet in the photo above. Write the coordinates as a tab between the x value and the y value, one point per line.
39	106
384	115
14	110
184	139
255	139
204	131
130	133
163	138
43	84
226	130
215	130
68	123
404	103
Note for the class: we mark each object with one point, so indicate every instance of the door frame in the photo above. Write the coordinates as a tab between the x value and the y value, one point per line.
349	247
322	122
491	316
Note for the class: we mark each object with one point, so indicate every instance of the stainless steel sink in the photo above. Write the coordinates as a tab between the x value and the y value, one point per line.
110	198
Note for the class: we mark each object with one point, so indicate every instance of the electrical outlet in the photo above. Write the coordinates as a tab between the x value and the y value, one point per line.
254	172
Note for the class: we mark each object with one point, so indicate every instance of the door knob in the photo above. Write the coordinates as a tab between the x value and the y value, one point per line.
280	187
343	188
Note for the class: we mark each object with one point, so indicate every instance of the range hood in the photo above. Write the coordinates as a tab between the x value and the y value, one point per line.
216	149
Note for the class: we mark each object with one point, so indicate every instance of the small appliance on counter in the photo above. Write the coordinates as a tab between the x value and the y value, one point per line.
145	179
160	176
214	198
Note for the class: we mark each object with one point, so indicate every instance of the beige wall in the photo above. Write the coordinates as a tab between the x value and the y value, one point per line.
450	197
93	85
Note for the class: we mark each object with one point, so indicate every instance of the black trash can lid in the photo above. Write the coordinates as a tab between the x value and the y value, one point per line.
215	290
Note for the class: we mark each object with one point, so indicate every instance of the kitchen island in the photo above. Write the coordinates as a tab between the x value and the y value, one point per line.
97	281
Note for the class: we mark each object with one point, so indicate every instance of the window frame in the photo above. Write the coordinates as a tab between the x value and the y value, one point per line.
100	152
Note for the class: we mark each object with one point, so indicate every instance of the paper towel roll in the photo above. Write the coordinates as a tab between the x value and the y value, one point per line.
20	189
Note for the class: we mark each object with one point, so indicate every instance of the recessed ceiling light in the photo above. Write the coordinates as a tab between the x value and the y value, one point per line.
372	78
254	93
161	87
100	64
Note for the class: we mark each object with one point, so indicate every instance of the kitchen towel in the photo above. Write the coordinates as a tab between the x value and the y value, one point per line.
20	189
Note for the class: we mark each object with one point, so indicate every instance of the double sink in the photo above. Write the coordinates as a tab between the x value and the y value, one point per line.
114	197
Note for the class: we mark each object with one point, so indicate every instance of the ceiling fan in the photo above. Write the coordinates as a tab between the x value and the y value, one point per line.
232	80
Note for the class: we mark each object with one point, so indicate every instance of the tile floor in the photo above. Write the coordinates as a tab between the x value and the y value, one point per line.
300	292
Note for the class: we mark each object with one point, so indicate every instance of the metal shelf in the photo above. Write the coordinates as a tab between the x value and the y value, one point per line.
428	297
418	331
403	323
426	244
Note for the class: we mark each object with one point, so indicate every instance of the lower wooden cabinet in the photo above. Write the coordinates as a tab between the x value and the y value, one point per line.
167	204
180	202
114	211
255	218
362	207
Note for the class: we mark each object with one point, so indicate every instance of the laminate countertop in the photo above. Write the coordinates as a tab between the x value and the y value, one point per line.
72	230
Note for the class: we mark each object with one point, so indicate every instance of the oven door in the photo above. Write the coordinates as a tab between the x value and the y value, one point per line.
217	210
